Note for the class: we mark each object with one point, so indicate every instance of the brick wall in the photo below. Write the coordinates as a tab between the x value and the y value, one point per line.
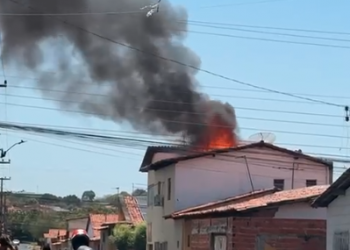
261	233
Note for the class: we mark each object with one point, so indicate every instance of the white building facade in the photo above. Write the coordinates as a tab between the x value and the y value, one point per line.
337	200
177	181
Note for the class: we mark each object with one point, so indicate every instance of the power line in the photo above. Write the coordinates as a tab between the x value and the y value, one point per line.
241	4
116	140
266	27
137	134
235	159
176	122
164	110
272	33
205	86
305	166
183	64
184	103
270	40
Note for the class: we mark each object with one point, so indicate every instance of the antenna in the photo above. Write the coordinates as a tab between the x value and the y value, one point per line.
262	136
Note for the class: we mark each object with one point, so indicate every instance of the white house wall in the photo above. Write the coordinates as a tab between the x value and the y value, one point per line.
301	211
80	223
163	230
338	217
206	179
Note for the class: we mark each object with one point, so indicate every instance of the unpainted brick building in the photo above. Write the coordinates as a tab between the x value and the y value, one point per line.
263	220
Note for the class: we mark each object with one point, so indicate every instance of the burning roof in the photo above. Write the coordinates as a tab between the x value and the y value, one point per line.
151	151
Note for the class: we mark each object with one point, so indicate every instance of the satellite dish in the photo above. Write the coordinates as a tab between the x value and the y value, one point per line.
263	136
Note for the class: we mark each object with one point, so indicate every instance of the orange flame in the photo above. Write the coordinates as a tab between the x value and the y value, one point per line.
219	134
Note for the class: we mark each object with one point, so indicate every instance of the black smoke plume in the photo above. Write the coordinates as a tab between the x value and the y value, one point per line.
153	95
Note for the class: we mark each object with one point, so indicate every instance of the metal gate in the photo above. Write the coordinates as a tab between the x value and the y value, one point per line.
290	242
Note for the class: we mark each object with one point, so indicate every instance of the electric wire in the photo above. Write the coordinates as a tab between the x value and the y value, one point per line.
136	135
234	159
181	63
163	110
241	4
146	143
204	86
265	27
9	126
273	33
268	40
237	107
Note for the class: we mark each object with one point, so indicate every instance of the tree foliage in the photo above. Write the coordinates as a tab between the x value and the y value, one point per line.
72	200
112	199
88	195
139	192
124	237
129	237
140	237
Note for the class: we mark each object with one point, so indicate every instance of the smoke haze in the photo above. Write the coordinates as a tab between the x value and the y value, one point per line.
153	95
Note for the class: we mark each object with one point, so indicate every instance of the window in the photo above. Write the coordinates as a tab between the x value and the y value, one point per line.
310	183
341	240
278	183
159	187
150	194
169	189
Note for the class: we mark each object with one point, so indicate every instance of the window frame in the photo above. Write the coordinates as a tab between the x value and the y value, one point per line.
339	238
278	182
169	189
313	181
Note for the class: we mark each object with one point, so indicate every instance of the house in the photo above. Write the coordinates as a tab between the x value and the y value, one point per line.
77	223
94	223
259	220
178	179
337	201
56	238
130	214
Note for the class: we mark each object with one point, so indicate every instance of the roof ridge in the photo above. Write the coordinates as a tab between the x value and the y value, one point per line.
147	164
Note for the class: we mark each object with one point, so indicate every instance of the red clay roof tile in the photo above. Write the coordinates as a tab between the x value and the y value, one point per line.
240	205
250	195
97	220
133	209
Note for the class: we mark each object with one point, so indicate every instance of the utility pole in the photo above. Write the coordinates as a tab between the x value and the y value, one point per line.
2	179
2	202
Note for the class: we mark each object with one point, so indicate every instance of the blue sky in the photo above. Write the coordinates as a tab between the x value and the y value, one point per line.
62	166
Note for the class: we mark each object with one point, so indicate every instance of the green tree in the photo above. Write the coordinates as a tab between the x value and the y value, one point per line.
71	200
88	195
113	199
139	192
140	237
48	199
124	236
124	193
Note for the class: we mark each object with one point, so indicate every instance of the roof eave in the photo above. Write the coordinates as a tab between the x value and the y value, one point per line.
339	187
215	213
